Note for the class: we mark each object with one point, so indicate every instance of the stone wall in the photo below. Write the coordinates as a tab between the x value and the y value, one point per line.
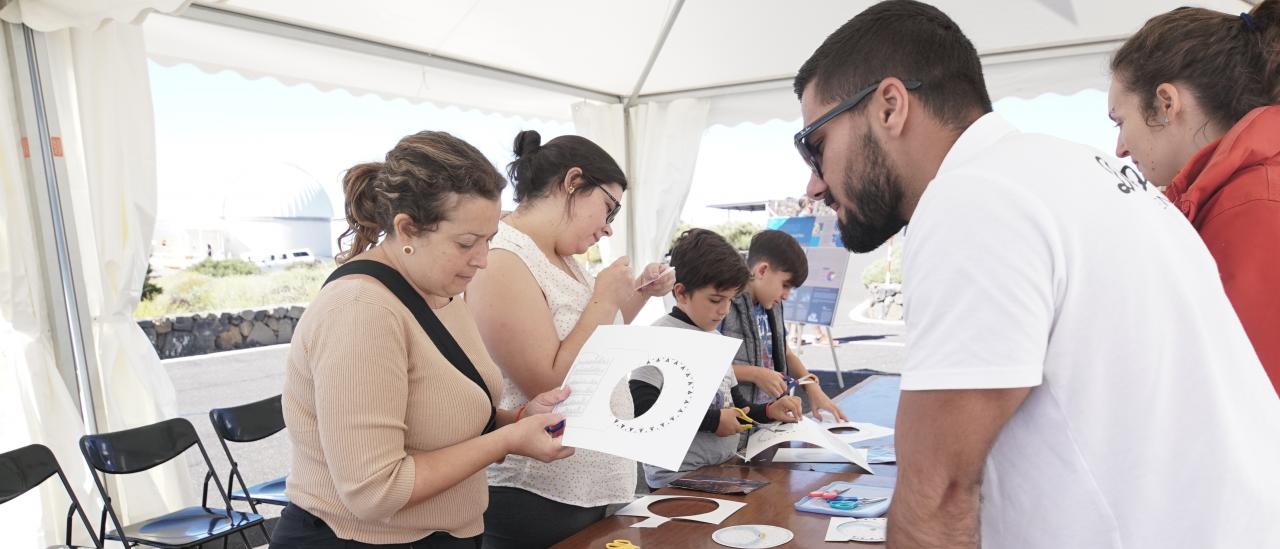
198	334
886	302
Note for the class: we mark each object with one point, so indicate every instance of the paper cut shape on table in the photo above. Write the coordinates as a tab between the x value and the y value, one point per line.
814	455
692	364
857	529
865	431
805	430
640	508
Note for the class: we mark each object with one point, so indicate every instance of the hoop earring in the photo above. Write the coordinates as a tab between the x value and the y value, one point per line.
408	250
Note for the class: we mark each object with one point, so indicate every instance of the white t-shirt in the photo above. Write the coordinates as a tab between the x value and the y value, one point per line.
1033	262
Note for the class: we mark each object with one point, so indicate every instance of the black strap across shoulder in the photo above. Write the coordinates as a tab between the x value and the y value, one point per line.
431	324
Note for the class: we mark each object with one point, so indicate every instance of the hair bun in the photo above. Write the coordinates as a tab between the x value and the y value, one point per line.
527	142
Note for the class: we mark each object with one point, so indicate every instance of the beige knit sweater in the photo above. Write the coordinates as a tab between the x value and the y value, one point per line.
365	388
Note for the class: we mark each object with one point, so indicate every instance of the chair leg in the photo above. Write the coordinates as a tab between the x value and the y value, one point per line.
263	526
245	537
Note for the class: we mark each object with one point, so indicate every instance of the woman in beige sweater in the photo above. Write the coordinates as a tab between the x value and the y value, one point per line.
390	435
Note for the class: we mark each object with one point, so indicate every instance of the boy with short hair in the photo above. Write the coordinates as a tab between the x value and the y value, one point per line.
709	273
764	363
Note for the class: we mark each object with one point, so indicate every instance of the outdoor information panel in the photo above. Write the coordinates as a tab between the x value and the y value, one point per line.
818	300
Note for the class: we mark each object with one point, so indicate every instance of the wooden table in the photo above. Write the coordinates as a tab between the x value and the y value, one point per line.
773	504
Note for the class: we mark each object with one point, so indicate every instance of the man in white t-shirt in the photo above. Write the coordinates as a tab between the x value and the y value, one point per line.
1075	375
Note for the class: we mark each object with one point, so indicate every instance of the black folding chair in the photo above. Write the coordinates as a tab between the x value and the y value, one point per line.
28	467
136	450
249	423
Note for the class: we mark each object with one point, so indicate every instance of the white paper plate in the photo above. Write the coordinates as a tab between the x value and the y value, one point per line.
867	529
752	536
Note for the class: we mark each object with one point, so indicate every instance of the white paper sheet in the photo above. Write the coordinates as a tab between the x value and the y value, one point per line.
805	430
865	431
692	364
857	529
640	508
814	455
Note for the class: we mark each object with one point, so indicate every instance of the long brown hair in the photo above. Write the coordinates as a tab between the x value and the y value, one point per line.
423	177
1231	63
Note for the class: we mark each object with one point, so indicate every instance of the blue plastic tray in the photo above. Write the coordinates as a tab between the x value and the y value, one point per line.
819	505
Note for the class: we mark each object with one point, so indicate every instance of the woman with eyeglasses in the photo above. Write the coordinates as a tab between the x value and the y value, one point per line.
536	307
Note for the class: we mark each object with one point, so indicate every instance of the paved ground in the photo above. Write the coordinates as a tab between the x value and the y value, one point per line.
229	379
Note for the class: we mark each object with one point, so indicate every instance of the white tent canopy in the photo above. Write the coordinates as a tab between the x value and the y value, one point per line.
740	53
599	62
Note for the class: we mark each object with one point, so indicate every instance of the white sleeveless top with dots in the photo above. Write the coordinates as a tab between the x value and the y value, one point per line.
587	478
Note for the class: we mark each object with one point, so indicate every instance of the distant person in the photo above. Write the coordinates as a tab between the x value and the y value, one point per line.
536	307
765	365
390	436
709	274
1195	94
1075	376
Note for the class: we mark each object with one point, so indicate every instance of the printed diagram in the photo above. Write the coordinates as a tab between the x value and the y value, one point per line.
691	365
683	392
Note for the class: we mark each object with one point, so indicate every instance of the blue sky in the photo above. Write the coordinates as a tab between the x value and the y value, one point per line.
214	131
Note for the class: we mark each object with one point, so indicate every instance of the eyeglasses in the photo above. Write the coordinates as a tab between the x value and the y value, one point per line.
808	151
614	209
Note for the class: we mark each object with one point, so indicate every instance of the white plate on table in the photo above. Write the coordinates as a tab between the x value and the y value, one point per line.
752	536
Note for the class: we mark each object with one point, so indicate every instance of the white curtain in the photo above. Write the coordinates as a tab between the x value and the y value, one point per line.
604	125
665	141
35	403
55	15
103	96
99	84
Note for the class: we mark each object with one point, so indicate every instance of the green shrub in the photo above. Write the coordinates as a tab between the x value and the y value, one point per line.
219	268
188	291
874	273
738	233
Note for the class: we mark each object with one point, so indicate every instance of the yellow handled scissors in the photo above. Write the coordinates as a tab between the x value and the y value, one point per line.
621	544
746	422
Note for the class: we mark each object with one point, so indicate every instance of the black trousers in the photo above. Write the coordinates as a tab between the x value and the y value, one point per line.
299	529
520	519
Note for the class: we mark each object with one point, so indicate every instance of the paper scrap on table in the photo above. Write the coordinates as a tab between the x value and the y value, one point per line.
865	431
857	529
814	455
692	363
805	430
640	508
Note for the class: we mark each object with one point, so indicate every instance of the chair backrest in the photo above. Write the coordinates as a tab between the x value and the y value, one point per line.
24	469
28	467
248	422
138	449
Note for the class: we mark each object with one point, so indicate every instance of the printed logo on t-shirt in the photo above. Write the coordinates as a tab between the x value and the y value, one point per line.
1130	180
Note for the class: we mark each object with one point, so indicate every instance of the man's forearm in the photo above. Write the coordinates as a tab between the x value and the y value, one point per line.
928	519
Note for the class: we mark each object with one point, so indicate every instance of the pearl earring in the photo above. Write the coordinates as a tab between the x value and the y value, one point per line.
408	250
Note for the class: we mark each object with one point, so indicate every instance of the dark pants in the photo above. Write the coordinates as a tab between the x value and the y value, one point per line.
299	529
519	519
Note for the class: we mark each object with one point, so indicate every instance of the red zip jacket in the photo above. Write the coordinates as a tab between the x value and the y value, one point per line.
1230	191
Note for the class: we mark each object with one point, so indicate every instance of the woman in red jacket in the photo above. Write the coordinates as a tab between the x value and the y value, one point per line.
1195	94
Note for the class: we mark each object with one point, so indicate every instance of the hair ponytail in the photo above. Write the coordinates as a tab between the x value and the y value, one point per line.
1266	16
361	206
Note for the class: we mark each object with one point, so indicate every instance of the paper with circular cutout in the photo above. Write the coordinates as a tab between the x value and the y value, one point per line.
693	365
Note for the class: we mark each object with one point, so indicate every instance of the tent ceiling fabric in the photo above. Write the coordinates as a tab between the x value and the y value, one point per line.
601	46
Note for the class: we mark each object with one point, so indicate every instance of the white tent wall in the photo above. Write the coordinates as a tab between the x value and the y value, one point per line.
101	86
35	402
97	89
665	142
606	125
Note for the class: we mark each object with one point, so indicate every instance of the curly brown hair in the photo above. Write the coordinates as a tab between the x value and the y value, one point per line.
423	176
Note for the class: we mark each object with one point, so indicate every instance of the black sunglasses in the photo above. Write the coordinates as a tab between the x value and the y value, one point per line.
614	209
808	151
